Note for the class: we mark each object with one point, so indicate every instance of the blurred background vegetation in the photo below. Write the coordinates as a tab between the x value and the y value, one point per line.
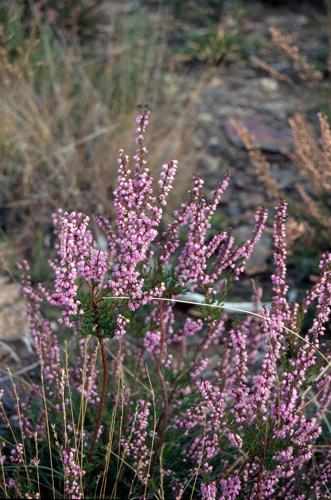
72	73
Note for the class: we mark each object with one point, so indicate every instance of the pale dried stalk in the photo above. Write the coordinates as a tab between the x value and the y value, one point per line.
311	155
301	66
312	209
309	204
313	158
307	153
259	160
326	149
273	72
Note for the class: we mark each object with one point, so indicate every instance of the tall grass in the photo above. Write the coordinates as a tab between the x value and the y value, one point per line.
63	106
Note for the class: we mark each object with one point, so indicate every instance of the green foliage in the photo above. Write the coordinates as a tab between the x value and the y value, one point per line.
259	441
98	316
214	46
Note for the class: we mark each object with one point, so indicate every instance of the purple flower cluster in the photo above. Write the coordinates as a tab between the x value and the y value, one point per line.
17	454
73	475
78	258
121	323
138	214
137	445
267	403
239	405
45	341
121	269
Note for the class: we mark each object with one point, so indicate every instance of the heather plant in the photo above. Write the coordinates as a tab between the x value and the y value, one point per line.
156	395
